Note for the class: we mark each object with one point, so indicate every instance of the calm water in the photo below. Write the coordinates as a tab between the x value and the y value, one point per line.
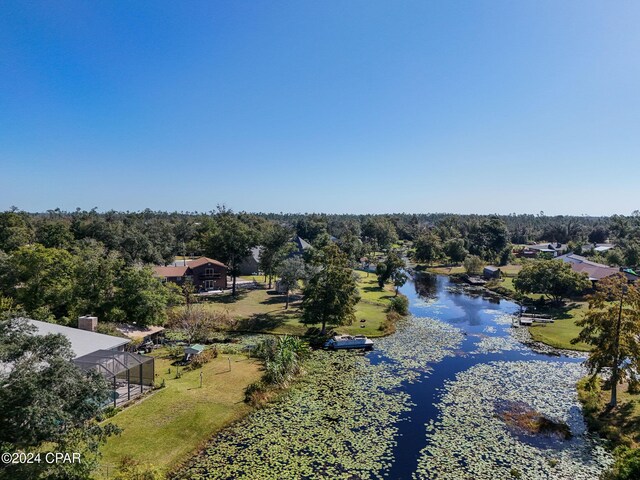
475	314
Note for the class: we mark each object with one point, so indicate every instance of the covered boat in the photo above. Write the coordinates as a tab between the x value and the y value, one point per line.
349	342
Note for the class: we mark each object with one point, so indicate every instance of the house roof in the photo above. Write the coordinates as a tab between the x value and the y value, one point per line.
595	271
135	332
301	243
203	261
83	342
491	268
170	271
547	247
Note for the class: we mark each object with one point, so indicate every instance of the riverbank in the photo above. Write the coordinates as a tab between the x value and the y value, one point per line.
557	334
261	310
619	426
424	404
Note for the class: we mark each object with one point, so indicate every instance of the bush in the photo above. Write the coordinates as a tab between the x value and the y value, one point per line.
282	358
473	265
400	305
198	361
389	324
626	466
108	412
175	351
255	393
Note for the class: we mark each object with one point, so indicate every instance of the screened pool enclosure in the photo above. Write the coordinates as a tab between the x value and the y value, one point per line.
129	374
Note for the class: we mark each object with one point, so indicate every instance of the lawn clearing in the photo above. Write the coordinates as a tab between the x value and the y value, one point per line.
262	310
559	333
173	422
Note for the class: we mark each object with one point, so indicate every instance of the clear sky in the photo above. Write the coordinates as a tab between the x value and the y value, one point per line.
327	106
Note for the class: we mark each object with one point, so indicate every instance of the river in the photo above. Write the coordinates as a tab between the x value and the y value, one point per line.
426	404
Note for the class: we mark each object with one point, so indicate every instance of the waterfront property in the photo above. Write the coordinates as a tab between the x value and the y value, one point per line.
204	273
128	374
595	271
553	249
490	272
170	424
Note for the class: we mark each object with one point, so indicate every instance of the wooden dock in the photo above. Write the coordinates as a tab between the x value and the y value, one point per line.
528	320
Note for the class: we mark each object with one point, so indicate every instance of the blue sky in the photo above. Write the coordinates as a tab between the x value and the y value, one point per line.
347	106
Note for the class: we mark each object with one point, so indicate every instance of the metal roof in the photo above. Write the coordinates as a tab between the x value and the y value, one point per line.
82	341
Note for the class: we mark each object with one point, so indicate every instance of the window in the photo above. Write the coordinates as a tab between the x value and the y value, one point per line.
208	271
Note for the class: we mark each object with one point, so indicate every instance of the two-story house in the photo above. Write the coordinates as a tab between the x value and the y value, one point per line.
204	273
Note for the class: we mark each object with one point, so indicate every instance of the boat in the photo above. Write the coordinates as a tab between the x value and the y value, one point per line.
349	342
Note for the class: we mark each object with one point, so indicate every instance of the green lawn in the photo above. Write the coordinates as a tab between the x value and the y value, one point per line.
174	421
560	333
442	270
262	310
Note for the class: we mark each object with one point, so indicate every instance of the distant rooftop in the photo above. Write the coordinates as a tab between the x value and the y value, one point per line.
595	271
83	342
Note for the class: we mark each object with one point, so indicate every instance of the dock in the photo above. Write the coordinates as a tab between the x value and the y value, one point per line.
528	320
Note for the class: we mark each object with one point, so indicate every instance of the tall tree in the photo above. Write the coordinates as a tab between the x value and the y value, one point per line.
489	238
612	327
95	273
331	293
230	240
553	278
382	230
389	268
48	404
141	298
454	249
291	271
274	247
427	247
40	279
15	230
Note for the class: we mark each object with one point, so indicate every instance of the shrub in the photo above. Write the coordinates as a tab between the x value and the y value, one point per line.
201	359
473	265
282	358
388	326
626	466
175	351
255	393
399	305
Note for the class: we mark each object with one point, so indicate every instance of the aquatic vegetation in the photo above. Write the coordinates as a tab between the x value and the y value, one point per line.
497	344
472	440
339	422
419	342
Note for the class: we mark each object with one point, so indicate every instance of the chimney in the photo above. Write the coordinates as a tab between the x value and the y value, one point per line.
88	323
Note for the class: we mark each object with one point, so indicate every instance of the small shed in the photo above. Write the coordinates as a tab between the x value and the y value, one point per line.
491	272
192	351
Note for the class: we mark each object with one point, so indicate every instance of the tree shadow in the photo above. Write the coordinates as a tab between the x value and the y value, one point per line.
282	300
227	298
260	322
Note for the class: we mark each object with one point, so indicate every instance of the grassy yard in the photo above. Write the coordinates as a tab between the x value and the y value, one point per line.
560	333
174	421
444	270
262	310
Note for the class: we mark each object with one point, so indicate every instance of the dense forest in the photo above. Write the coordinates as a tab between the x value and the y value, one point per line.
57	265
